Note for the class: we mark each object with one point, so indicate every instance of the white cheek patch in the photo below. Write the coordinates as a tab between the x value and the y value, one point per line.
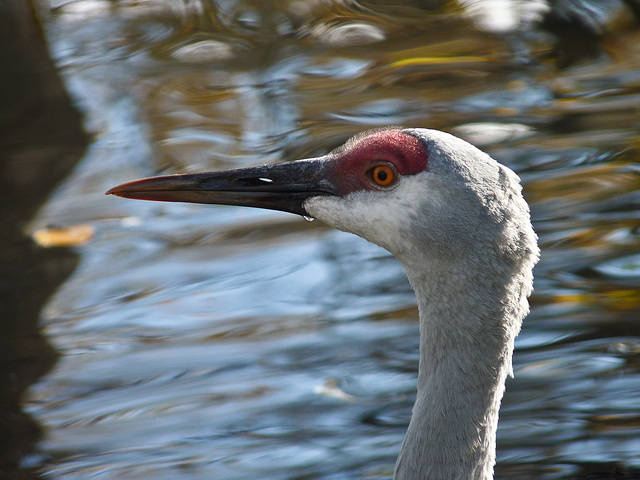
382	217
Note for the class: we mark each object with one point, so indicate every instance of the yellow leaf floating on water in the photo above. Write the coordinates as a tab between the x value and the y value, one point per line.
408	62
71	236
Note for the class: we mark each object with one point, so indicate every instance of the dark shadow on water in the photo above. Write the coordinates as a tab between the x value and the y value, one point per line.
41	139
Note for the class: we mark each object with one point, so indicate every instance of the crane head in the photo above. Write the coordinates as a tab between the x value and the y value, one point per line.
399	188
369	161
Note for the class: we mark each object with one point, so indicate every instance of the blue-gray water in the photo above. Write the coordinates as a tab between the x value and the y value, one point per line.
203	342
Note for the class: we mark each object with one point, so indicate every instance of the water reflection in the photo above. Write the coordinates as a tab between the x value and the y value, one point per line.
204	342
40	141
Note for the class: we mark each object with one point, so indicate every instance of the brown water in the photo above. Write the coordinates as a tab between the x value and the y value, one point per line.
227	343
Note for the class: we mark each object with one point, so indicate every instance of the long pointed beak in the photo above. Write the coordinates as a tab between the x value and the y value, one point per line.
283	186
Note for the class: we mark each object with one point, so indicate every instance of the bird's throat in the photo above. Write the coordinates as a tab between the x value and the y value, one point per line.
465	357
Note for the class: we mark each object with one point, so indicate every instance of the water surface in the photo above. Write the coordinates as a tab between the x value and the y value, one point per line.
216	342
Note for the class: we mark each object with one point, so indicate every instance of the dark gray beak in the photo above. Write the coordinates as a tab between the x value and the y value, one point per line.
283	186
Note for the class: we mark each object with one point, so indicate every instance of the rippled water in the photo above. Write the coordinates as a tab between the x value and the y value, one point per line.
216	342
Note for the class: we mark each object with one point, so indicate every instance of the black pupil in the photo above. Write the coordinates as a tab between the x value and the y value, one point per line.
382	175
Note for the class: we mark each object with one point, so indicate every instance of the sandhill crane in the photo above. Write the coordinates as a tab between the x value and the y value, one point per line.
457	221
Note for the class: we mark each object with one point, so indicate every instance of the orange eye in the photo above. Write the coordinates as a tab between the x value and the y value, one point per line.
383	175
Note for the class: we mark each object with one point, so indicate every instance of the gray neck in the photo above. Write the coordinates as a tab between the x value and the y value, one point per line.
468	324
